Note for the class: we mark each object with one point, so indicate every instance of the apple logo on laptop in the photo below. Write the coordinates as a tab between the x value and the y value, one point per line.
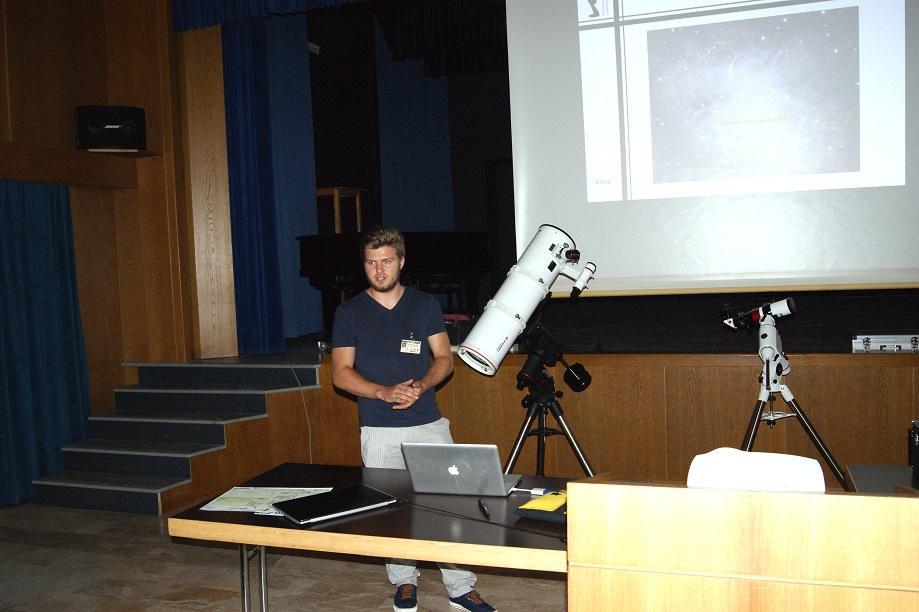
453	470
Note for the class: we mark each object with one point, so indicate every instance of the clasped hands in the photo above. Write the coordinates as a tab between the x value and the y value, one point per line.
402	395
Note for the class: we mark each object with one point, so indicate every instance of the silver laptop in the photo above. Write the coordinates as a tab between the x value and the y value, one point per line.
463	469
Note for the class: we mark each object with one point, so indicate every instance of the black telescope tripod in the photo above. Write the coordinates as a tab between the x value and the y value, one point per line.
772	383
542	400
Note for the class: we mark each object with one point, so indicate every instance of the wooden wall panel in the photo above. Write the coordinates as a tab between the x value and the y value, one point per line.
289	420
709	407
490	408
645	417
56	61
855	408
93	217
334	436
25	162
252	447
137	36
5	125
53	57
149	269
915	394
139	42
247	454
622	403
207	192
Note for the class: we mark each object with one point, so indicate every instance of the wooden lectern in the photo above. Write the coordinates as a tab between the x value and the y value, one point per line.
634	547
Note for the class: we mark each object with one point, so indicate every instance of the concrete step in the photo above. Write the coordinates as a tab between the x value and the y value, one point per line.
176	412
175	425
151	457
256	375
193	401
104	490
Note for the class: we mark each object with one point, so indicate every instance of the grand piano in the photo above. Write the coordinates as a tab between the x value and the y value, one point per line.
447	264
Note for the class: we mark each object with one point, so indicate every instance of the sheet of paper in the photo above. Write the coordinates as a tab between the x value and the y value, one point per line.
258	499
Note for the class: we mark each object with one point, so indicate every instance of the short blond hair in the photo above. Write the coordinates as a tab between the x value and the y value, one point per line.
383	236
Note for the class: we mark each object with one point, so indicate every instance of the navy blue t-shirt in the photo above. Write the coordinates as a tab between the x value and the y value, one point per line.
377	334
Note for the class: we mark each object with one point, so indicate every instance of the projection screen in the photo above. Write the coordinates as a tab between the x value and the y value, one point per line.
705	146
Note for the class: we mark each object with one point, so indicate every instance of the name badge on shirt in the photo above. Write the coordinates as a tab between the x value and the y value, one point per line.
411	346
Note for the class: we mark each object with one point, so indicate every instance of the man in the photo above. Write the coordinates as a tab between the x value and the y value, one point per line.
390	349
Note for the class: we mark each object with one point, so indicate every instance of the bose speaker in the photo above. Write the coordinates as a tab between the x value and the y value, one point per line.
111	128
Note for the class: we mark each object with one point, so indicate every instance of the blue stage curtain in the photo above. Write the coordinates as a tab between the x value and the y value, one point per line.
44	397
415	180
293	161
259	313
192	14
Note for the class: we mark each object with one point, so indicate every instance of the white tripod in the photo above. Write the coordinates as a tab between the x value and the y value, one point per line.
775	367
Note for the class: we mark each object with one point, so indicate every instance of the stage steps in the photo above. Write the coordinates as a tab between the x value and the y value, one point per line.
175	413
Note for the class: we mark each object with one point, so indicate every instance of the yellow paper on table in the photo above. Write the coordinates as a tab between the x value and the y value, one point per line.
549	507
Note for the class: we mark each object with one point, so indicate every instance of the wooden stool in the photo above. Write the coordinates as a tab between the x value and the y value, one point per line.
350	222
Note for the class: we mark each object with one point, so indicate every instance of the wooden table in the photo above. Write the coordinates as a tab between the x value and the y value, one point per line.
446	528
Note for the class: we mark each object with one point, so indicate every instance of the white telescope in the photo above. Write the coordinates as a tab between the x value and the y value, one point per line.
743	320
550	253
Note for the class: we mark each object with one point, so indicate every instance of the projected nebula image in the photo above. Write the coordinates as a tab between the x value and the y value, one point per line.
759	97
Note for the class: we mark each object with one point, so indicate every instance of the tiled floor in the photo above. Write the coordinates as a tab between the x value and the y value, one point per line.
62	559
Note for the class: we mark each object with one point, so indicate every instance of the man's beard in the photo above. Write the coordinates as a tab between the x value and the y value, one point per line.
388	285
